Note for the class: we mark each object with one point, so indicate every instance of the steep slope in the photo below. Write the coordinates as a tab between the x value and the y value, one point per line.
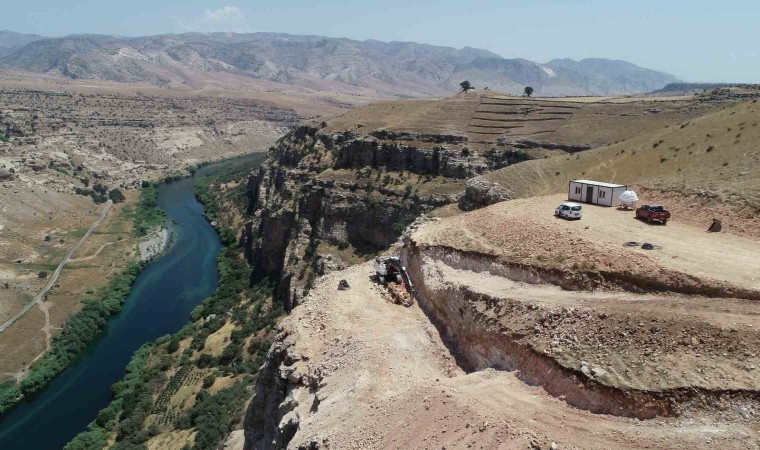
716	154
387	68
607	75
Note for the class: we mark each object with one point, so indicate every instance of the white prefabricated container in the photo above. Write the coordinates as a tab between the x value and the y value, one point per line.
595	192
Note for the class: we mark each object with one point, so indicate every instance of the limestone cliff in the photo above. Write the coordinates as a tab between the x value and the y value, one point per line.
323	201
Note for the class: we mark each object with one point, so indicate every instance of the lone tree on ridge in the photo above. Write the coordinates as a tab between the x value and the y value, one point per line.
528	91
466	86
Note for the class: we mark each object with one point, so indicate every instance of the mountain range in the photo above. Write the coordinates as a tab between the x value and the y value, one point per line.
401	69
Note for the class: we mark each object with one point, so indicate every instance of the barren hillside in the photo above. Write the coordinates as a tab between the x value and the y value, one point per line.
527	331
513	306
489	118
716	154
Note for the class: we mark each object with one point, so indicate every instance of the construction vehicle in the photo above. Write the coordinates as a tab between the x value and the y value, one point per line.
390	268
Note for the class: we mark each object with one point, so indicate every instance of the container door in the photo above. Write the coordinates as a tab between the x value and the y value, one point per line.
589	194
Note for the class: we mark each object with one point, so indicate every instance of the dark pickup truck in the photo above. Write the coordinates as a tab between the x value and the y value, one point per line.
653	213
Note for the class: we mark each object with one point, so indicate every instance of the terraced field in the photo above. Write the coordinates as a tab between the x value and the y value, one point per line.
511	116
544	125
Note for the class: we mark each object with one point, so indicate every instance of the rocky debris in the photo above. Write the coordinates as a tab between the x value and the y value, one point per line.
716	226
480	193
5	175
343	285
397	294
746	92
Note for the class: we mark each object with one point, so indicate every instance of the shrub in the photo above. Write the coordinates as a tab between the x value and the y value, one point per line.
116	195
208	381
173	345
42	274
399	228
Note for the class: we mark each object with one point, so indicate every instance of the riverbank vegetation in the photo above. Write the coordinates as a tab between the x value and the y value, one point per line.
85	326
80	330
200	378
147	215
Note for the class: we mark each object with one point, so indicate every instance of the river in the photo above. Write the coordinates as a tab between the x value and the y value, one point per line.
160	303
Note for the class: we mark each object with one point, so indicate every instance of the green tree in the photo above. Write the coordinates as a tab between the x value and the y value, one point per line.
528	91
466	86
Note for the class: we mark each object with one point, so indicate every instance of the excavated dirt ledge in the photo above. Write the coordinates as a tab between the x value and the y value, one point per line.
516	334
351	370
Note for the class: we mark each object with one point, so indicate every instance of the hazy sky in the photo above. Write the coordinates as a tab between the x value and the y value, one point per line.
695	40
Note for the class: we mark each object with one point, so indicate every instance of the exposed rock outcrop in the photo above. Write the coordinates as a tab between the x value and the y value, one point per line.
480	193
321	201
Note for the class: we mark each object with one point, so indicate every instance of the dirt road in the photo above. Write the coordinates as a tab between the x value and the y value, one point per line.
38	299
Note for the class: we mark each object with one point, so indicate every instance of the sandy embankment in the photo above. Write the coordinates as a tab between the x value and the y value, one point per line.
154	244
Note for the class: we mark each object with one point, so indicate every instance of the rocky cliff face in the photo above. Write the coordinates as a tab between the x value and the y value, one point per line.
324	201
